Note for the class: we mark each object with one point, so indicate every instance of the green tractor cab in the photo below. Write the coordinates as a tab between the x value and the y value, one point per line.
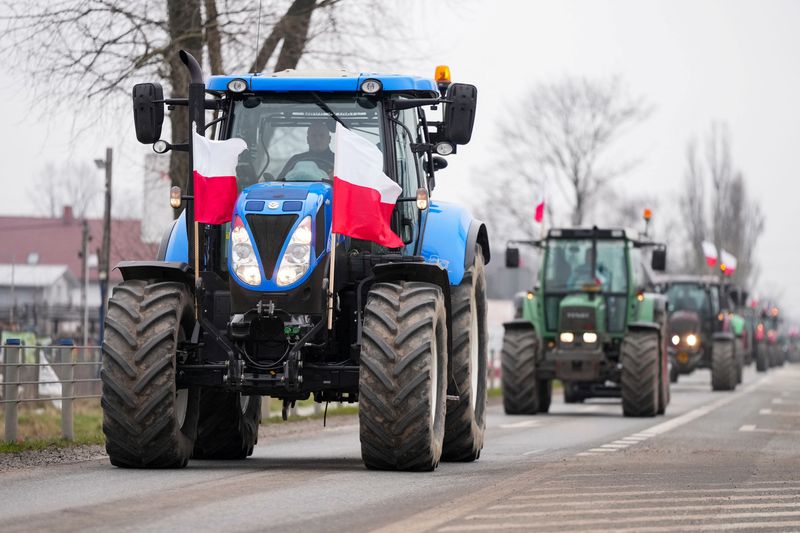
590	323
704	331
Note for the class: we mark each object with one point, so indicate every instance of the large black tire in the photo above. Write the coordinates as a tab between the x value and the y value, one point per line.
544	388
518	359
572	393
762	358
146	421
228	425
640	383
723	366
673	374
403	376
465	422
739	363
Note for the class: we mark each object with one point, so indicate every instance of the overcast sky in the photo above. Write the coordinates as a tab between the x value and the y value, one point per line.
695	61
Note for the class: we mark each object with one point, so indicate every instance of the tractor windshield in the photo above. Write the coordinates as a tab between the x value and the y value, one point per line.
291	137
584	264
689	297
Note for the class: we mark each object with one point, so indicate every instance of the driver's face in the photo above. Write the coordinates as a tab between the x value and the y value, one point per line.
318	138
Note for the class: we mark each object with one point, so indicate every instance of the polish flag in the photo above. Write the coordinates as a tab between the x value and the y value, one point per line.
539	215
729	262
215	178
363	196
710	251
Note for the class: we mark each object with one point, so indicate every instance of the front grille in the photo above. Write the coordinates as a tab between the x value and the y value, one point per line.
577	319
270	232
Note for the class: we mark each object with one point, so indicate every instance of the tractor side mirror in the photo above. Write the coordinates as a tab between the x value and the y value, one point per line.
459	112
659	260
439	163
148	111
512	257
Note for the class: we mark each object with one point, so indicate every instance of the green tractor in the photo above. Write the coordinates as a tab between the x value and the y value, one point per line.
704	331
590	323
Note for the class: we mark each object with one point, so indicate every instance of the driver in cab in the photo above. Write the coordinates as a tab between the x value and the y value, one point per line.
585	274
300	167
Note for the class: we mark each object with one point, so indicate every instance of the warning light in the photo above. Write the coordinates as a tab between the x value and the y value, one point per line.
648	213
723	267
442	75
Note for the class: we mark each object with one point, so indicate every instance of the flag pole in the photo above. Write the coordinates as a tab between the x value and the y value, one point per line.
330	281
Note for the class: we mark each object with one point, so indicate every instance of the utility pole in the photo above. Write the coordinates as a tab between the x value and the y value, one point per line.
85	279
105	251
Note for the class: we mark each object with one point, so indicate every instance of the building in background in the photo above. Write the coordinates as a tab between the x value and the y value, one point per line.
156	213
45	253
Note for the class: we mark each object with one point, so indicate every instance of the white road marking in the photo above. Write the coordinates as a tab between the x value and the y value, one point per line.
725	526
629	519
537	450
643	493
651	509
777	400
766	430
616	446
747	427
626	441
584	454
523	424
589	408
603	450
765	411
662	500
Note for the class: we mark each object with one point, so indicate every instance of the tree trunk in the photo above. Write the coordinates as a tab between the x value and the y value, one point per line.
296	23
186	32
212	37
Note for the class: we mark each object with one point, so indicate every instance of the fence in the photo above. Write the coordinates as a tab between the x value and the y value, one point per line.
27	371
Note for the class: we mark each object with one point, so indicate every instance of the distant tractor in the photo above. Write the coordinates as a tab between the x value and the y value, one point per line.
273	304
590	322
703	329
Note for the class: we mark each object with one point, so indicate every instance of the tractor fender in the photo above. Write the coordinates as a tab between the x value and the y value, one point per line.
426	272
155	270
517	323
165	239
645	326
451	234
723	336
176	248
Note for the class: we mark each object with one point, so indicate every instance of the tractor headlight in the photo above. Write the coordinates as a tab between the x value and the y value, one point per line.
297	257
566	337
590	337
676	340
691	339
243	257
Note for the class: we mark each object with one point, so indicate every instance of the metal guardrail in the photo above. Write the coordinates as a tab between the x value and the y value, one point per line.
17	388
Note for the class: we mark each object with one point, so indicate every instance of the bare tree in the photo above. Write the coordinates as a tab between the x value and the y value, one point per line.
75	185
562	134
729	217
100	48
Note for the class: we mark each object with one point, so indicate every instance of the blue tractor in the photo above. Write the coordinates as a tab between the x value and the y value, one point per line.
232	312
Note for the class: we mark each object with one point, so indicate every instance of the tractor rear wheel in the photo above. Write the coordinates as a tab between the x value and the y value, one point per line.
518	358
739	363
640	384
762	360
465	422
228	425
403	376
723	366
148	423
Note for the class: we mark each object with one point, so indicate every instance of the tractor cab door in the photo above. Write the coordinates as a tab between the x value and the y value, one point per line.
409	175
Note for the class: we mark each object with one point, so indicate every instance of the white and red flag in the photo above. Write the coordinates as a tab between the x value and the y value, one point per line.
710	252
363	196
729	262
214	165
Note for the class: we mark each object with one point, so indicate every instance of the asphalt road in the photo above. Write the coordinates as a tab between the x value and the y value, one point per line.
717	461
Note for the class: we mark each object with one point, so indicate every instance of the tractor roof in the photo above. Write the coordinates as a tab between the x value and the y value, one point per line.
591	233
703	279
326	81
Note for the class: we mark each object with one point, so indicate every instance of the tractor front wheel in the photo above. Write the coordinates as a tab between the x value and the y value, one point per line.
762	360
465	422
723	366
640	383
520	387
403	376
147	421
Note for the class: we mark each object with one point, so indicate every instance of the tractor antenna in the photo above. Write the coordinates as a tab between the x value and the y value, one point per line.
258	33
